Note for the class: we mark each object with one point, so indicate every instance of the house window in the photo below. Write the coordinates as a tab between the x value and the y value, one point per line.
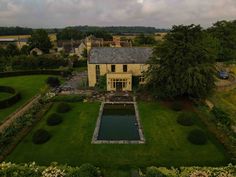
97	73
141	79
113	68
125	68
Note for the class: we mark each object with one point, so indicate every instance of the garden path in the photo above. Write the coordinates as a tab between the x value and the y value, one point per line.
19	112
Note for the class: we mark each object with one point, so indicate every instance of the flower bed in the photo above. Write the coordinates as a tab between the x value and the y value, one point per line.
54	170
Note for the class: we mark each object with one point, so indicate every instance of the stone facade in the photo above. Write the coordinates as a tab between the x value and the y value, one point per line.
106	70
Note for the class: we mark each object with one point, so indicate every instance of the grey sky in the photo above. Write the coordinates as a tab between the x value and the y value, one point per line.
158	13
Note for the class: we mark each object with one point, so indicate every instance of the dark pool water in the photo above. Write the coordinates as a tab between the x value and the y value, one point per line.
118	122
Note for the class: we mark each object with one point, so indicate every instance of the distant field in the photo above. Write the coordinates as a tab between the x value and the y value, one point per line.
157	36
15	36
28	86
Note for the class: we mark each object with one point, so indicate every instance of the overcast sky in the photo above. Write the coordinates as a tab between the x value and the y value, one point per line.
157	13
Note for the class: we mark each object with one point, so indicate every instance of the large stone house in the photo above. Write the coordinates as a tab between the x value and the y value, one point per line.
118	65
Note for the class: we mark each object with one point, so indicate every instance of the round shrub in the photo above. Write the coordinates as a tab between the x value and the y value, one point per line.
197	137
63	107
53	81
88	170
186	118
54	119
176	106
41	136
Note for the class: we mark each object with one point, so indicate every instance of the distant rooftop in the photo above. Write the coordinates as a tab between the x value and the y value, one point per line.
7	40
123	55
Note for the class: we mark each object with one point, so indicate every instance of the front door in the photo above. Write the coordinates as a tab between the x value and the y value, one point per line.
118	86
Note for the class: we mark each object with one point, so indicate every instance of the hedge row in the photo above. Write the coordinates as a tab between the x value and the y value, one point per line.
88	170
54	170
35	72
16	96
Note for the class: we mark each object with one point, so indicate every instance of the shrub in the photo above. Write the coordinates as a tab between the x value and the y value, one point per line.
63	107
197	137
54	119
70	98
41	136
154	172
176	106
186	118
88	170
53	81
221	116
16	96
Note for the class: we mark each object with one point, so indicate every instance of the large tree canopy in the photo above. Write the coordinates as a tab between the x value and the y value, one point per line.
225	32
183	64
39	39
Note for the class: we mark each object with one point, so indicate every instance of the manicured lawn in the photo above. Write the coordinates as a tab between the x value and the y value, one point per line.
166	145
227	101
28	86
4	95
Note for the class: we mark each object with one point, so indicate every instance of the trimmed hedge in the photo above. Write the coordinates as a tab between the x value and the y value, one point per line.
88	170
186	118
33	170
63	73
16	96
41	136
69	98
221	116
197	137
63	107
54	119
53	81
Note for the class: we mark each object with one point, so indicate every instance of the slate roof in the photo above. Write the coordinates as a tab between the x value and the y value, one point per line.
122	55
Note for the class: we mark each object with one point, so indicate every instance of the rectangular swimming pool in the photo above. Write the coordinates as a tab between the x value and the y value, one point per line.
118	123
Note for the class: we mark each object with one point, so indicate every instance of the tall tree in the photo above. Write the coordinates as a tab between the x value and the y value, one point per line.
39	39
183	64
70	33
12	50
225	32
144	40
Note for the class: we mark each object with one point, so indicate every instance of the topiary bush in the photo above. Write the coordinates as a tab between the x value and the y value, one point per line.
176	106
63	107
54	119
88	170
186	118
41	136
197	137
53	81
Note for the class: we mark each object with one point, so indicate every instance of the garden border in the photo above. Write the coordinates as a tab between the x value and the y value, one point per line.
96	131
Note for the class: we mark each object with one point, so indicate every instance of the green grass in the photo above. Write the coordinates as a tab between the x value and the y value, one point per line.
4	95
28	86
166	145
226	100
